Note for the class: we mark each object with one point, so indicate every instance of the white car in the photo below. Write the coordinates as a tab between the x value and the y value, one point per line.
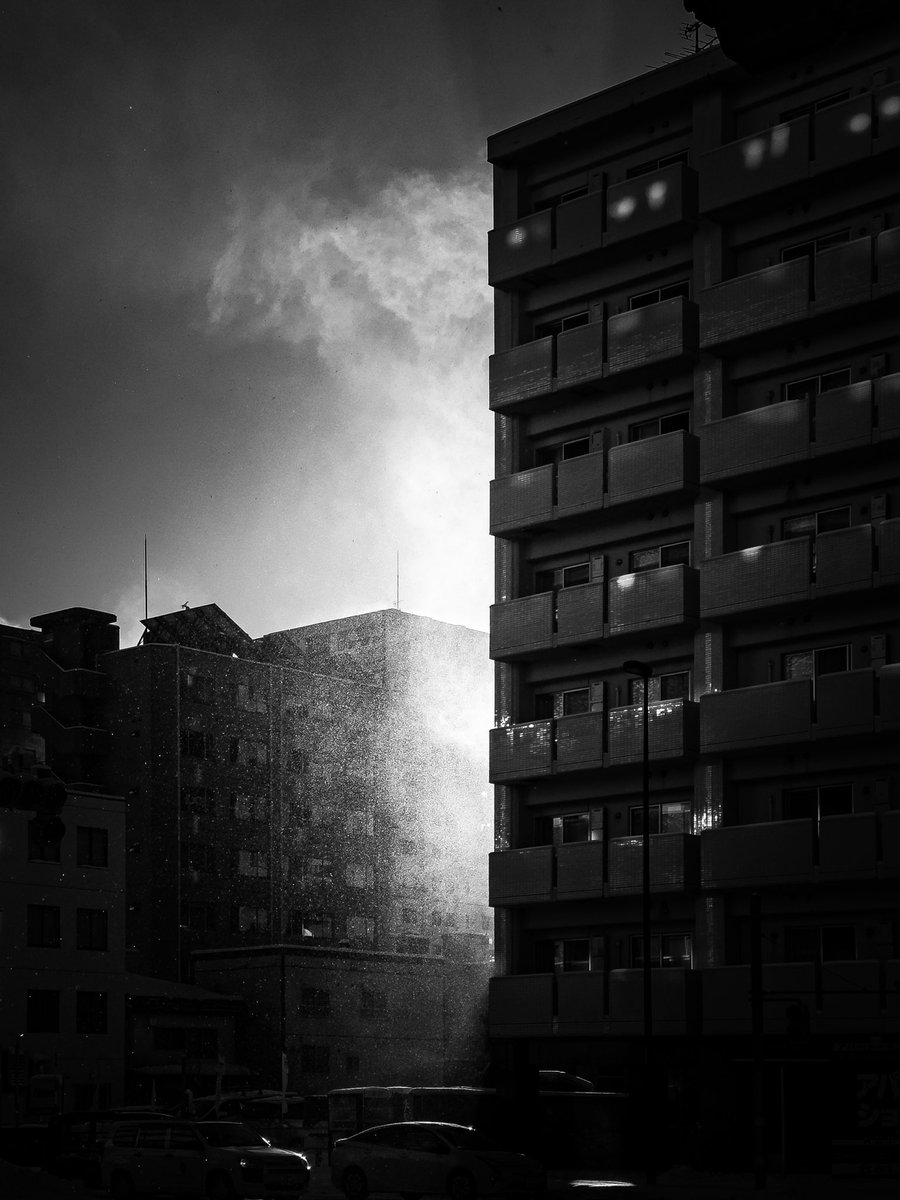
421	1158
221	1160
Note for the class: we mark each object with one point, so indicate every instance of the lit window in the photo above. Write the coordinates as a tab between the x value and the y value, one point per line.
673	817
808	664
668	950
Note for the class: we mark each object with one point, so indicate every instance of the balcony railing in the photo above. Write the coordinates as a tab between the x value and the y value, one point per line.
579	741
520	876
522	626
637	207
848	847
653	599
523	373
520	1005
755	578
580	1003
765	161
521	500
516	251
673	863
675	997
773	852
521	751
887	261
579	614
768	714
672	731
580	354
579	869
657	466
654	334
752	303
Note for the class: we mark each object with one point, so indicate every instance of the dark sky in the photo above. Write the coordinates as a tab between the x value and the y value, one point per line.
244	298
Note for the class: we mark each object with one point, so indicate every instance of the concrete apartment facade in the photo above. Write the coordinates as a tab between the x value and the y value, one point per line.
697	395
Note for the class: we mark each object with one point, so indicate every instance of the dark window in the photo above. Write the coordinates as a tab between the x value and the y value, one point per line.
197	687
91	928
248	806
564	954
39	848
814	106
655	295
814	246
829	800
562	451
315	1002
560	324
550	579
576	701
656	164
670	423
372	1003
314	1060
572	193
196	743
811	524
92	846
670	950
90	1012
41	1011
43	926
674	817
199	917
813	943
815	385
199	857
808	664
667	555
674	685
199	800
250	918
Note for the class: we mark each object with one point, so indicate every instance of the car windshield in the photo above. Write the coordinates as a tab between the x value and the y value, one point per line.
468	1139
223	1133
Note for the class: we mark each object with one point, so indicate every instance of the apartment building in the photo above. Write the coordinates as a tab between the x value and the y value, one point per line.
697	395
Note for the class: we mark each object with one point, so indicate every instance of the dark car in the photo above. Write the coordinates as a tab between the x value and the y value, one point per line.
417	1158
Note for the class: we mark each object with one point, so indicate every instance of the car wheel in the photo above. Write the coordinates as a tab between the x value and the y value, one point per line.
219	1187
461	1186
121	1186
354	1184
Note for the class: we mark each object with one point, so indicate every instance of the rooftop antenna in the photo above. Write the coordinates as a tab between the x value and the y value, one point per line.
397	601
690	31
146	607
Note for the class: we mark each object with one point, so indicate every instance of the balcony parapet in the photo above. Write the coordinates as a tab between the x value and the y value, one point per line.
521	500
674	859
672	731
767	714
522	626
521	751
580	1003
653	599
753	303
772	852
657	466
675	996
520	876
579	870
521	1005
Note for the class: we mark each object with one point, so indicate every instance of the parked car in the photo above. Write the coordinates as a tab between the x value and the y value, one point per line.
418	1158
221	1160
75	1140
261	1113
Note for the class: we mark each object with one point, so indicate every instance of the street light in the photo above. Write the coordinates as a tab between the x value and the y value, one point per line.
643	671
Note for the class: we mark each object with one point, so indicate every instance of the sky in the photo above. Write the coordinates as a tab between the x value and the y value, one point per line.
244	309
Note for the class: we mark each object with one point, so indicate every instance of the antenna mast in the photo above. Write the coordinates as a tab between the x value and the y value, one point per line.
146	610
397	601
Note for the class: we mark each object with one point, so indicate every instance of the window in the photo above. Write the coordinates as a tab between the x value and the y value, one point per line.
560	324
656	164
673	817
249	752
359	875
669	950
315	1002
562	577
562	451
667	291
569	827
41	1010
814	245
372	1003
181	1138
808	664
670	423
199	857
815	385
567	954
563	197
39	848
90	1012
20	683
811	524
562	704
251	697
196	743
92	846
43	926
668	555
197	688
254	863
674	685
827	943
20	718
199	917
91	928
827	800
814	106
248	806
312	925
252	918
198	800
314	1060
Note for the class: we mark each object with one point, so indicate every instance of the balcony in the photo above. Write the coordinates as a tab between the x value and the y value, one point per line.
764	162
522	626
658	201
579	484
520	374
521	751
520	1005
579	226
888	553
889	865
769	714
520	876
654	599
521	500
663	332
754	303
844	417
754	441
672	731
580	354
887	407
773	852
580	1003
844	704
579	870
659	466
843	275
673	864
887	262
579	614
675	995
518	251
758	577
848	847
579	741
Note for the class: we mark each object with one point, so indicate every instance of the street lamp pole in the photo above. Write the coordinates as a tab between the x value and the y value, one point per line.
644	671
